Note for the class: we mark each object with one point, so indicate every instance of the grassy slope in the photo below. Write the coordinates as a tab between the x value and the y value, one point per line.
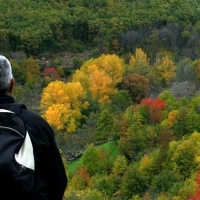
108	147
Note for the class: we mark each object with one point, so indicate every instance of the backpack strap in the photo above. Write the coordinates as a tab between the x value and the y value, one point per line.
14	107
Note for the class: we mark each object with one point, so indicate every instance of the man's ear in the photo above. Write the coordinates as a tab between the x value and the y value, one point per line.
12	83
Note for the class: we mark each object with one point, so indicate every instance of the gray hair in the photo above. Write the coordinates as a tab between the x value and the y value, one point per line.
5	74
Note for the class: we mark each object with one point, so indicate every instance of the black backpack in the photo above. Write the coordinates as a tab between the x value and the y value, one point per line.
17	163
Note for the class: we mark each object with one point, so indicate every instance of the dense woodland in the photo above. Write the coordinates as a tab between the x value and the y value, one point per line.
136	84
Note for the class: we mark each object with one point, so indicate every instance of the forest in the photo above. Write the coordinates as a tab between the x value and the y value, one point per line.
127	76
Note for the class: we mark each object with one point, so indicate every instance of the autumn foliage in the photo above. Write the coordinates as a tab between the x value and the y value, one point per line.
100	76
136	85
154	108
81	178
196	195
62	105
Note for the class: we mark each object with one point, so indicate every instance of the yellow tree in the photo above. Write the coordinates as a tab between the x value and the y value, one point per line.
62	103
100	84
57	115
113	66
76	94
139	63
162	72
99	76
81	75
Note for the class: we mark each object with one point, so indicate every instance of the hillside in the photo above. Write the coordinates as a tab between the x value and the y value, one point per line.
125	70
104	26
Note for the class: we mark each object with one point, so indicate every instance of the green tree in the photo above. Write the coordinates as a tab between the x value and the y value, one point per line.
192	122
103	184
134	182
91	194
121	100
120	165
132	139
166	180
104	124
19	72
94	161
182	157
179	122
32	68
171	102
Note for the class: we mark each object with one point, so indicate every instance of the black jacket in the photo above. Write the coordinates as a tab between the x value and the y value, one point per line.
50	179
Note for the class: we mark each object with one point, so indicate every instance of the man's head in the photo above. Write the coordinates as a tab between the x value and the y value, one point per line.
6	77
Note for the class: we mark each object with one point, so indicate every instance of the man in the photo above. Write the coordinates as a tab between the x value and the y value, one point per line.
50	179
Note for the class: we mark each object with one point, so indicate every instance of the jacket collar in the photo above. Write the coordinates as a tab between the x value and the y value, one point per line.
6	99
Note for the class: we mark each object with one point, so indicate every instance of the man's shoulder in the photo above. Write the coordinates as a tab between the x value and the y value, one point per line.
28	116
37	126
35	123
23	111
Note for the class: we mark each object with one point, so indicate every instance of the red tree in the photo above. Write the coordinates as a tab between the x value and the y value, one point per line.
154	107
196	195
